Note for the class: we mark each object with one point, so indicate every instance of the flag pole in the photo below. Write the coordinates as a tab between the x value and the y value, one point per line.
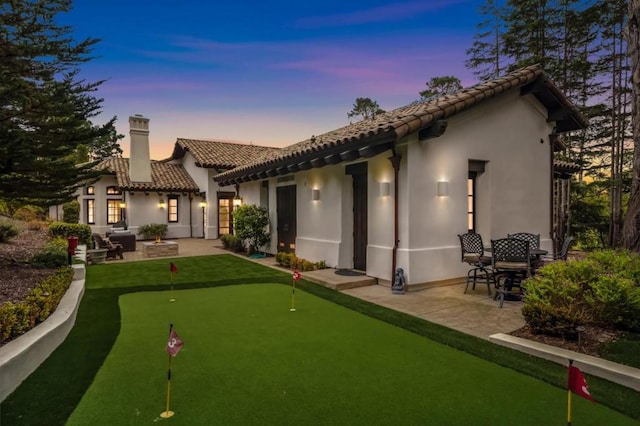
168	413
293	295
171	299
569	396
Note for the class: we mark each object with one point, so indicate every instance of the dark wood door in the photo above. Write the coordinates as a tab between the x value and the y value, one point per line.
286	211
360	220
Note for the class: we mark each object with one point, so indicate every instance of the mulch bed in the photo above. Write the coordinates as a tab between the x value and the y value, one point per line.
590	339
17	277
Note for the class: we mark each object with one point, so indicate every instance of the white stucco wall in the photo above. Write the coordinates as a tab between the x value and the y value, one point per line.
320	222
512	195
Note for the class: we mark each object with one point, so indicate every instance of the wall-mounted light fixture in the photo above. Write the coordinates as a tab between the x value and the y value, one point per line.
161	203
385	189
237	201
123	204
443	189
203	204
315	194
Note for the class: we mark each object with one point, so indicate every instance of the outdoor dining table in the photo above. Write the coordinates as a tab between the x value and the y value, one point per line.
534	252
505	293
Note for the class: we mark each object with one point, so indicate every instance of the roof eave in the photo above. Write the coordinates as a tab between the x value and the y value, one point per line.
350	151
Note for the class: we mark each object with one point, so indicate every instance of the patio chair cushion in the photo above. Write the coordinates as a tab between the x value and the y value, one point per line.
511	265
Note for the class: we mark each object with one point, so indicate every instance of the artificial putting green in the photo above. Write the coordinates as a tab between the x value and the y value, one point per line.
248	360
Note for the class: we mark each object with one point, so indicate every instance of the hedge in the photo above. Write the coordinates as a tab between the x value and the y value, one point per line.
18	318
65	230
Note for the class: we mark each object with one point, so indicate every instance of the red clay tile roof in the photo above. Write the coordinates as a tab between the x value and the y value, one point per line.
400	122
164	176
220	155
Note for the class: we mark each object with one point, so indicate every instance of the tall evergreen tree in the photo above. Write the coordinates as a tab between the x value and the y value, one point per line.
440	86
485	54
631	234
580	45
365	108
45	108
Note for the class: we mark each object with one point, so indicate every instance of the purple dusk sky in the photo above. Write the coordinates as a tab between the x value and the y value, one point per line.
270	72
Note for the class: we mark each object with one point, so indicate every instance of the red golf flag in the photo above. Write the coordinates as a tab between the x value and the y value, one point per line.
577	384
173	268
296	275
174	344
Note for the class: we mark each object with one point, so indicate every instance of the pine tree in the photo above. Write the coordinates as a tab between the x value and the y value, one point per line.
45	108
440	86
485	54
365	108
631	234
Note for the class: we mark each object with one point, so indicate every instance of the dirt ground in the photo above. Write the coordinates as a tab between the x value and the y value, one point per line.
17	278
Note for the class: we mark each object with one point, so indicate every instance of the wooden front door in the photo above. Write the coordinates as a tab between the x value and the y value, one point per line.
359	174
286	211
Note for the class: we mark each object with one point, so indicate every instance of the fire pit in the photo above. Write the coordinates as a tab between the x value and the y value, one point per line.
160	249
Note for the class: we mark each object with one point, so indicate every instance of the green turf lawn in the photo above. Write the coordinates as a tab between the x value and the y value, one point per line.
248	360
287	351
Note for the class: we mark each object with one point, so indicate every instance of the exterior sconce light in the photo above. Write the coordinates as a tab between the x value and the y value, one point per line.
161	203
203	204
384	189
315	194
443	189
123	205
237	201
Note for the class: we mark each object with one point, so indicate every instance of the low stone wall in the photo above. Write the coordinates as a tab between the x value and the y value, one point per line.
20	357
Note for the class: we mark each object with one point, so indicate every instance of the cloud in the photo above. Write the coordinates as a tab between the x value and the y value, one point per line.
386	13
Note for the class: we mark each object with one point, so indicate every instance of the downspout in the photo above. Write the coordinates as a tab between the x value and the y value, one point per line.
395	163
190	216
552	199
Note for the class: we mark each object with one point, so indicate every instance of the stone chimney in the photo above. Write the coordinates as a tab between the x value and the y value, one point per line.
140	161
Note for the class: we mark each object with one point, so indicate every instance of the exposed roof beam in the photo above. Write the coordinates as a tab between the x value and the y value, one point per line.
304	165
350	155
318	162
373	150
435	130
333	159
558	115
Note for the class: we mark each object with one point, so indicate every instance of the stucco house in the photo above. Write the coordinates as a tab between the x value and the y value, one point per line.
178	191
376	195
396	190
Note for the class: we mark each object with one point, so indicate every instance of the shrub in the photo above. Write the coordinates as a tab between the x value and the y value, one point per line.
153	231
7	231
224	238
15	319
29	213
54	255
250	223
232	242
66	230
602	289
290	260
71	212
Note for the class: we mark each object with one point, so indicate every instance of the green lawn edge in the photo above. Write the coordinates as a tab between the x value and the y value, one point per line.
53	391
